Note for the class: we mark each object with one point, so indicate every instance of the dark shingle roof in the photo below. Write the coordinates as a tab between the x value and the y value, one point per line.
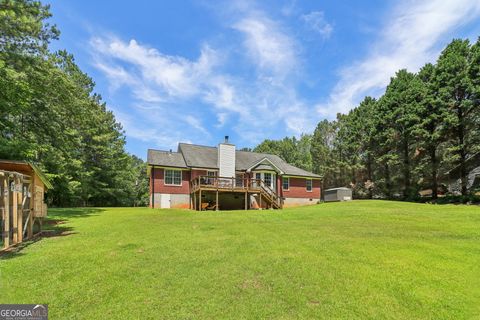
165	158
197	156
265	166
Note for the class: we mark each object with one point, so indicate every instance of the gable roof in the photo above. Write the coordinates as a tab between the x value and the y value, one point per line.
165	158
264	164
197	156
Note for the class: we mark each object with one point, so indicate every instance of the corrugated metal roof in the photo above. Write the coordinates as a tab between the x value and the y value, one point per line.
197	156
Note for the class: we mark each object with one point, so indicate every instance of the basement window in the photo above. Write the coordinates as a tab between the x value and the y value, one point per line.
173	177
309	185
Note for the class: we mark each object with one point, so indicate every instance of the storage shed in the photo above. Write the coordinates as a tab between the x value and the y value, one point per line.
22	191
338	194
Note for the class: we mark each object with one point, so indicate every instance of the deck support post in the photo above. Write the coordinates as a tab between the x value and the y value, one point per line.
194	200
6	212
216	201
260	200
246	200
200	200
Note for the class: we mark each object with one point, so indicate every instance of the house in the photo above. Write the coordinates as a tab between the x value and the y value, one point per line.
202	177
22	192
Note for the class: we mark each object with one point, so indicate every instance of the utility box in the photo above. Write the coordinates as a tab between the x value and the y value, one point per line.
337	194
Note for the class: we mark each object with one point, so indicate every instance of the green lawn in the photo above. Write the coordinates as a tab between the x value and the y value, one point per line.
362	259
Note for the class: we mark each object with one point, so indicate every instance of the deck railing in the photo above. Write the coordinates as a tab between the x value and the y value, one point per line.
234	184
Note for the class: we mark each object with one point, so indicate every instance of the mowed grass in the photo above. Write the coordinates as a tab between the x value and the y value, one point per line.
361	259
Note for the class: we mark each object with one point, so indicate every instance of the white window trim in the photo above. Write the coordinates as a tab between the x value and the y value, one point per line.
172	184
288	179
273	175
311	184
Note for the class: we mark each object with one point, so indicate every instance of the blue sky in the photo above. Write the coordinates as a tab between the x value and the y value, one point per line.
194	71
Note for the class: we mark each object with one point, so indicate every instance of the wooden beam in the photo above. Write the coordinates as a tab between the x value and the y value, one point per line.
20	212
31	189
6	212
195	200
15	212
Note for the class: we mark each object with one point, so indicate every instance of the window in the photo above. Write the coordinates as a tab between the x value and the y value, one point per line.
239	180
173	177
211	174
285	183
267	178
309	184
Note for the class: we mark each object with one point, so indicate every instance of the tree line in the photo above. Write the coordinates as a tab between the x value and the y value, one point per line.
424	125
50	115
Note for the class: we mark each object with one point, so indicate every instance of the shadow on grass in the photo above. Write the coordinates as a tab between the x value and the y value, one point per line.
54	225
73	212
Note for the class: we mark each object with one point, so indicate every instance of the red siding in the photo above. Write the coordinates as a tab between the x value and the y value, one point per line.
160	187
298	189
196	173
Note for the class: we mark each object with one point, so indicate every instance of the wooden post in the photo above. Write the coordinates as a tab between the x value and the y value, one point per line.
15	212
31	188
246	200
194	200
6	212
200	200
260	200
20	211
216	201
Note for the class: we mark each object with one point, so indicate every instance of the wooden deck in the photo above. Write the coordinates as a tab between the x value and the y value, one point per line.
233	185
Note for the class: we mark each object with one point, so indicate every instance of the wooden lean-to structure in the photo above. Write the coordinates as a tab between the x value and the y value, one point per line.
22	190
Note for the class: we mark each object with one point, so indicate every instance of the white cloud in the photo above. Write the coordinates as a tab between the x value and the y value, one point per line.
316	21
196	124
178	99
414	34
272	50
175	76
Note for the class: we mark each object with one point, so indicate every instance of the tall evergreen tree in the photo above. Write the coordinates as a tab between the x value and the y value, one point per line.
456	91
430	130
401	111
321	151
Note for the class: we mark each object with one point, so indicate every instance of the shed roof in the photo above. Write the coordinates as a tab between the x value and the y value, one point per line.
340	188
18	165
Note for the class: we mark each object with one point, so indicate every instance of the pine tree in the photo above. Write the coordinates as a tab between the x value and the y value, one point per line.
457	95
